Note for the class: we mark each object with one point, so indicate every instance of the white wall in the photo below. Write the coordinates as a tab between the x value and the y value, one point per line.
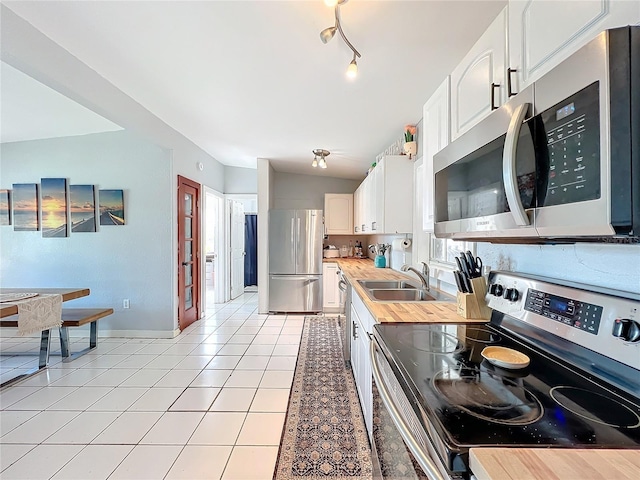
133	261
307	191
604	265
240	180
265	203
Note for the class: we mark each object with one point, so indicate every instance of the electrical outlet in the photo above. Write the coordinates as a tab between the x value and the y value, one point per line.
125	303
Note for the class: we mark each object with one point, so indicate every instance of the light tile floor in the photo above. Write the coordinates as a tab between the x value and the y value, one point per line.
208	404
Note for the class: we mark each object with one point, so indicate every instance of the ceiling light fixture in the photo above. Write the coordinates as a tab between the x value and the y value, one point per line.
328	33
319	152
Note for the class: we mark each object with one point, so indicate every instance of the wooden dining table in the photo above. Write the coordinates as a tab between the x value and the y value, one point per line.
11	308
8	309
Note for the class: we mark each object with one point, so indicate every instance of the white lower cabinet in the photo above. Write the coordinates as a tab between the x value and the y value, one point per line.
330	291
362	326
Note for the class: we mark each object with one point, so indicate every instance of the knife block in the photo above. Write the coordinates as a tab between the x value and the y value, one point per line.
473	305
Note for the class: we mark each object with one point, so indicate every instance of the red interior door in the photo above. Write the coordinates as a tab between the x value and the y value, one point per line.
188	252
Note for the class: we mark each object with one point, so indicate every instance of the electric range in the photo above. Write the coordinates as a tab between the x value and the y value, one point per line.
580	390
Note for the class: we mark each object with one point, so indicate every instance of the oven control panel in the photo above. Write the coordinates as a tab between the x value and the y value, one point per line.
582	315
600	319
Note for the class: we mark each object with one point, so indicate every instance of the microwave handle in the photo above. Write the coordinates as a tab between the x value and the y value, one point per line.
509	165
412	444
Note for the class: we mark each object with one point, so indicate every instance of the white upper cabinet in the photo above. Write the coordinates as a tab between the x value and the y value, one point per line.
435	136
543	33
338	213
376	194
477	83
383	201
357	209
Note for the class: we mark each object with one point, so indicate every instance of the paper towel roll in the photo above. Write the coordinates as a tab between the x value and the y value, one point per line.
401	244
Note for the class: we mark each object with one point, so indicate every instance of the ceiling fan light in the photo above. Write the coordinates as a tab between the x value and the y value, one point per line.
330	3
327	34
352	69
314	164
322	163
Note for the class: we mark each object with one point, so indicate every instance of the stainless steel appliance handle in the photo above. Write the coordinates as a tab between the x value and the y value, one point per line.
297	278
342	286
509	165
293	244
421	457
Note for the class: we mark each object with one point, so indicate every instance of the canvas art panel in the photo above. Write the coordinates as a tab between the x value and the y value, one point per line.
25	207
54	207
82	208
5	207
111	207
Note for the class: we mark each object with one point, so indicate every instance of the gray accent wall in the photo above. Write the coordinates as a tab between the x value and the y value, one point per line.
293	191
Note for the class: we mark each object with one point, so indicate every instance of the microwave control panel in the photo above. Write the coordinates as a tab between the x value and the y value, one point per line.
582	315
572	130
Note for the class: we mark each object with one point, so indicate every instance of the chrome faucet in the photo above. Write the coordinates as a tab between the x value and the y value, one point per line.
423	276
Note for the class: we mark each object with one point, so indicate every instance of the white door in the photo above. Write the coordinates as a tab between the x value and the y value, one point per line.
237	248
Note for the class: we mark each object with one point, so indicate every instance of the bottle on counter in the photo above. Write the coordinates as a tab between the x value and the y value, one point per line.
351	248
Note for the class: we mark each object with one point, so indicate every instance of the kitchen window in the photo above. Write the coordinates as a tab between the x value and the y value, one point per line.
443	251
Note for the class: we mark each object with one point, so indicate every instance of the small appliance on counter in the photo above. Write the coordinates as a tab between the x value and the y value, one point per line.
331	251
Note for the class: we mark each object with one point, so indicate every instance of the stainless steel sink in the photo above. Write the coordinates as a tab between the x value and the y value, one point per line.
407	295
386	284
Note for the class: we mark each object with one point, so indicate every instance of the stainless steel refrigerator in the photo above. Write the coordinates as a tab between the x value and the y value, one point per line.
295	260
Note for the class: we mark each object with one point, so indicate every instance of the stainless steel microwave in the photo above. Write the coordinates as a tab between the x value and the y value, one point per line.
559	162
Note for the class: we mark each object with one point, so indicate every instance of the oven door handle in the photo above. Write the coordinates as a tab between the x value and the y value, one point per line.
421	457
509	165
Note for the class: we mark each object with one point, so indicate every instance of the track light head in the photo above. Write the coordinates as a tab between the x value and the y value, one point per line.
327	34
352	69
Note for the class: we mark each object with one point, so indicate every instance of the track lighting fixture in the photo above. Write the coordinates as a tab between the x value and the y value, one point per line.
327	34
322	162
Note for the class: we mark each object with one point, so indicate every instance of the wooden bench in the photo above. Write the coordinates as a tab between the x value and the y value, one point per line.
71	317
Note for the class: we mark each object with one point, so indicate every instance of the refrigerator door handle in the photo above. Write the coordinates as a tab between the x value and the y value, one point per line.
297	278
292	252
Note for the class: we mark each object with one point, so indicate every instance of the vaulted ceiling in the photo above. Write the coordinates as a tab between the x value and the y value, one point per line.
251	79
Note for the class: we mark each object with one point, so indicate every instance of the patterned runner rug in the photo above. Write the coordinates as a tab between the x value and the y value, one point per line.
324	434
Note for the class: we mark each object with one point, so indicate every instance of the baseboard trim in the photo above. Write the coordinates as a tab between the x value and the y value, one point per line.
138	333
82	332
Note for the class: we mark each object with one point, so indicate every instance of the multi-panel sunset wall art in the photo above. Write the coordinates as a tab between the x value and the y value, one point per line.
57	208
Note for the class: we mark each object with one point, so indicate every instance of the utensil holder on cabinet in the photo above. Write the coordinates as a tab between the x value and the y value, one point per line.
473	305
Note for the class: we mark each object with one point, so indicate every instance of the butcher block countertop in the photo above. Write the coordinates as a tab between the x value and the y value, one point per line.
386	312
554	464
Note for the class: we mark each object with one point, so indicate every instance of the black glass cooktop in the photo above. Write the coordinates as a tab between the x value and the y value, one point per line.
470	402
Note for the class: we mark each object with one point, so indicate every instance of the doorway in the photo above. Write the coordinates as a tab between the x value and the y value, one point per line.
251	250
188	252
214	238
236	251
